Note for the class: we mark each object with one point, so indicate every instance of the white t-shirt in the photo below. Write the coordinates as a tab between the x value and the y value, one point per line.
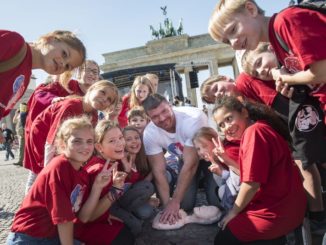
188	121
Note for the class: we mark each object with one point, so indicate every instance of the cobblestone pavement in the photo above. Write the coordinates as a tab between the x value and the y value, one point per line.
12	184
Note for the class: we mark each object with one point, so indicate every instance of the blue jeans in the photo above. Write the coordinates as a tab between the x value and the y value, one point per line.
189	200
16	238
7	146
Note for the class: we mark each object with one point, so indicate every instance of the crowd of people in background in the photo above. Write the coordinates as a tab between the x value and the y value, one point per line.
101	163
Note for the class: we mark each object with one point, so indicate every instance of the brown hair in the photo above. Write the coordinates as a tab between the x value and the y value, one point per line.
205	132
249	55
153	101
137	111
141	159
256	111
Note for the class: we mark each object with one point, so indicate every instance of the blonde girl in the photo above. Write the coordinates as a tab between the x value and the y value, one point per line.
105	228
56	197
133	207
141	88
55	53
39	147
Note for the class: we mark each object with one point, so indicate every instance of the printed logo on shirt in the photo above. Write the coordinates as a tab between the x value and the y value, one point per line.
76	197
17	89
175	149
307	118
292	64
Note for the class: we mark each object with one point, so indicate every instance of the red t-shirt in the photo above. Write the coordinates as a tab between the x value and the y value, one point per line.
305	43
122	118
98	231
279	205
44	128
255	89
74	87
15	81
42	97
231	148
55	197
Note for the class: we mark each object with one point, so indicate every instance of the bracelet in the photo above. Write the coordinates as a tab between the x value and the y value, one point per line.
115	193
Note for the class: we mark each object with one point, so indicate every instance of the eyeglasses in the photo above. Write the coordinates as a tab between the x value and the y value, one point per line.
94	72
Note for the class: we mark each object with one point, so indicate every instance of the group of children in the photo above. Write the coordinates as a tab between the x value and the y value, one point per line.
89	196
71	197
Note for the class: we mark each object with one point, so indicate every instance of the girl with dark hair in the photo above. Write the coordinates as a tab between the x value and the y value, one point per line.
135	204
270	182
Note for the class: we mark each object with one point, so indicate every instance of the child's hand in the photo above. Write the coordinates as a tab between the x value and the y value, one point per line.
118	178
219	150
104	177
216	169
283	88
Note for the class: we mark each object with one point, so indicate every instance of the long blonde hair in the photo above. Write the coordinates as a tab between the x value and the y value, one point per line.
139	80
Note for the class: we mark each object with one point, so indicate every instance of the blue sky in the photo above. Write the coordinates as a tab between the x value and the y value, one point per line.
107	25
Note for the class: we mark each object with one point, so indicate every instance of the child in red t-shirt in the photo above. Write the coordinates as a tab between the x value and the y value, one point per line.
141	88
105	228
242	24
271	184
46	93
55	53
56	199
248	86
135	204
39	143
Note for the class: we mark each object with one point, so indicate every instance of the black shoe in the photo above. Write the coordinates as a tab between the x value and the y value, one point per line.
18	164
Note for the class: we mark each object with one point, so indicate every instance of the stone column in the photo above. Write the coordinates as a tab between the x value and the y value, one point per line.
191	92
213	67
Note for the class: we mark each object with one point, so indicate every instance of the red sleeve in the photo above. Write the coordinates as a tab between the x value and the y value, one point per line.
73	85
307	41
58	197
255	159
65	109
255	89
232	149
93	167
122	118
10	43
